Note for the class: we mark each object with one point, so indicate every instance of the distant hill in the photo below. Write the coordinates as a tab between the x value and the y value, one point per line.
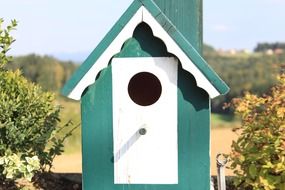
276	47
255	72
46	71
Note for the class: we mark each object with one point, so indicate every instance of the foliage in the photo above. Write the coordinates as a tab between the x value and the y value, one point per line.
14	166
28	123
51	74
5	41
207	49
244	72
262	47
258	155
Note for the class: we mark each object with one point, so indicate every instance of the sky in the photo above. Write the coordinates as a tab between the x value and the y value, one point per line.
73	28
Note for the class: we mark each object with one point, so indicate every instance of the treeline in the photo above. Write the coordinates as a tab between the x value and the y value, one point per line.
243	72
46	71
262	47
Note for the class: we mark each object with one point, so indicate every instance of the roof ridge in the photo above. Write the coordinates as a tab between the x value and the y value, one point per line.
131	19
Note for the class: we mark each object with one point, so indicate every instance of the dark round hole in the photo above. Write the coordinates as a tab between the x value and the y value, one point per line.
144	88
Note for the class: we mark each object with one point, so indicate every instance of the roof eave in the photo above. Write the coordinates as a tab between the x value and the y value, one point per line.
187	47
168	27
100	48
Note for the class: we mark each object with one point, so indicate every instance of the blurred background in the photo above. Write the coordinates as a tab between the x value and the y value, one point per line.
244	42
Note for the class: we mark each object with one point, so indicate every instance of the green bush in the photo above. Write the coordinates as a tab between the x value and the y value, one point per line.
28	121
258	155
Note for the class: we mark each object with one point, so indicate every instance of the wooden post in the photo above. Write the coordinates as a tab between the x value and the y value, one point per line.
187	16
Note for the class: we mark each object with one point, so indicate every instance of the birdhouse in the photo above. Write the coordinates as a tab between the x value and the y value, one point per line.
145	105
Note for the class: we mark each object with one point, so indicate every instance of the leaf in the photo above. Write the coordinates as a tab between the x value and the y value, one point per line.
273	180
9	175
283	176
30	168
252	171
281	112
29	176
2	161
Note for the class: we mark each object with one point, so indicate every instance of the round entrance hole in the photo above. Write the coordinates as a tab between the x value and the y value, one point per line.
144	88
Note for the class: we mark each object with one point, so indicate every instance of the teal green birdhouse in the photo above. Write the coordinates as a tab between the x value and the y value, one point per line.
145	101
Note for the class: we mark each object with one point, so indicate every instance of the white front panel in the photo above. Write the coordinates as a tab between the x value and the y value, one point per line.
151	158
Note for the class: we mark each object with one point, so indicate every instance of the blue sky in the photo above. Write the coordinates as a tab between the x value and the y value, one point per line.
58	27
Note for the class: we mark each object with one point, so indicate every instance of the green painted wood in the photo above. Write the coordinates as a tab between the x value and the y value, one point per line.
193	131
164	21
201	64
97	134
143	44
137	46
193	137
186	15
132	48
188	49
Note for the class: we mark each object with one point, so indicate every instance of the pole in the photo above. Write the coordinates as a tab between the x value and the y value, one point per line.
187	16
221	163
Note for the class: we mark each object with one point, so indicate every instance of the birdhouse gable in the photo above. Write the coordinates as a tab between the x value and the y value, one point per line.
148	12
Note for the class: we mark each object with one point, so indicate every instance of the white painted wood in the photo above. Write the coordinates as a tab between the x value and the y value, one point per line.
151	158
142	15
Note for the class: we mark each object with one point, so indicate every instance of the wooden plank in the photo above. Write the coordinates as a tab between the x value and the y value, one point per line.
97	134
186	15
193	133
151	158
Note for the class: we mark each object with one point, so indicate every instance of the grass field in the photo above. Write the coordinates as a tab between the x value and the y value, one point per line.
70	161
